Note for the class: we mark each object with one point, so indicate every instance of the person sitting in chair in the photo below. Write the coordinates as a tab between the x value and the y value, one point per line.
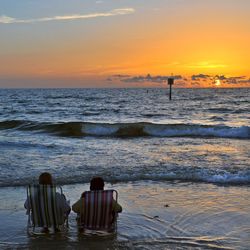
46	179
96	184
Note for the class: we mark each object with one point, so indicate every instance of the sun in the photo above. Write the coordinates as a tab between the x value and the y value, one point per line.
217	82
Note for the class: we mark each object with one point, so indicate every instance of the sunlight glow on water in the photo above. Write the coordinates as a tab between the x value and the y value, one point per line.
155	215
134	134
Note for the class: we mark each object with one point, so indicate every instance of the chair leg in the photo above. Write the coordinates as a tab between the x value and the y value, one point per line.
67	222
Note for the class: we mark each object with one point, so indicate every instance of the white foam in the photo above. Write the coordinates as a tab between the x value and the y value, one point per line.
198	130
229	178
99	129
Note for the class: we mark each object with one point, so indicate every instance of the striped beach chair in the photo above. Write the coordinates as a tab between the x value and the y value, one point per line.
44	212
97	214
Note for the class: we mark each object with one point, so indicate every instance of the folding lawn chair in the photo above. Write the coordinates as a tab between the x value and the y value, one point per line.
97	215
44	210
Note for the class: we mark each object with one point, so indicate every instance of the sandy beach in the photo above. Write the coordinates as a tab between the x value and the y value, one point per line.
156	215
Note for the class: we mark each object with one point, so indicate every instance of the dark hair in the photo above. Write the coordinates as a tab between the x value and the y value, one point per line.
97	183
45	179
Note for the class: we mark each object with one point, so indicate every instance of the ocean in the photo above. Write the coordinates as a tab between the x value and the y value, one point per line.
181	167
202	135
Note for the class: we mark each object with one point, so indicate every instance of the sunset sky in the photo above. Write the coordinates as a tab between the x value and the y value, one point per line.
124	43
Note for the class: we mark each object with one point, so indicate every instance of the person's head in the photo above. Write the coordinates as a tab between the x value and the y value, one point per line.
45	179
97	183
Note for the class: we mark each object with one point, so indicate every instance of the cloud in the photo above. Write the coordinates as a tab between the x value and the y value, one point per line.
196	80
115	12
195	84
211	79
120	76
234	80
231	80
245	81
222	77
7	19
180	84
149	78
199	76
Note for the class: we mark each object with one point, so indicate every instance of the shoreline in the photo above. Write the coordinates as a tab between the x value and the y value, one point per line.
156	215
128	182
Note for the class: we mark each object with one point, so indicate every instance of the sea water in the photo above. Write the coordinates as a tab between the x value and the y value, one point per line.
181	167
202	135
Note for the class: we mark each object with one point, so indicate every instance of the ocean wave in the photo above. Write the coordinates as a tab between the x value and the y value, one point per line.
11	124
129	129
90	113
217	118
203	176
220	110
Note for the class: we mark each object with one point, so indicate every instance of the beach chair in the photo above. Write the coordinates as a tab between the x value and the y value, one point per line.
97	216
44	210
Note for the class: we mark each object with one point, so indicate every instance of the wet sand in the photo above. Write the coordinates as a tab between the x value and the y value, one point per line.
156	215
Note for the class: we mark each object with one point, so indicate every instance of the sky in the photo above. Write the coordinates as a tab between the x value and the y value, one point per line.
124	43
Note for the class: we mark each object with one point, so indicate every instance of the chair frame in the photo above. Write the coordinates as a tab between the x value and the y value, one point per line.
99	231
31	224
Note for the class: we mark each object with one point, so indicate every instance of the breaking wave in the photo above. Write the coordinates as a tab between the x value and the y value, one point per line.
140	129
185	175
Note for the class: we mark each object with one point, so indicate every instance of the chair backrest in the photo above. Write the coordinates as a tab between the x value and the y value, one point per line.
45	211
97	211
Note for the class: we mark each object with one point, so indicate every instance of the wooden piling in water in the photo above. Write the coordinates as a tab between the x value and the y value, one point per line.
170	83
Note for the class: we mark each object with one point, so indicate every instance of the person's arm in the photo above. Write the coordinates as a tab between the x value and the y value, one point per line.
77	206
65	205
27	204
117	208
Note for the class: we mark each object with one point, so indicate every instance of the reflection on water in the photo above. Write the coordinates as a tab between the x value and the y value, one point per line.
75	160
124	135
156	215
